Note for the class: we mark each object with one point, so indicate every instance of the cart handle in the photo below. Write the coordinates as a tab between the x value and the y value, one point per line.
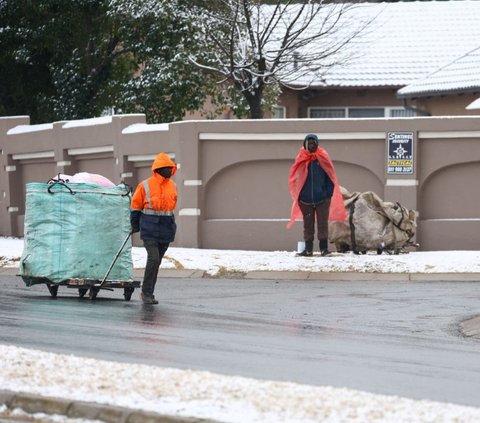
114	260
59	183
128	188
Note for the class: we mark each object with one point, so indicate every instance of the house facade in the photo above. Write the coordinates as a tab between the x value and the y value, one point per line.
371	103
413	59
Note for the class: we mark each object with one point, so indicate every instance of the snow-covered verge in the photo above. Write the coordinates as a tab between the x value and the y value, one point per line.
207	395
215	262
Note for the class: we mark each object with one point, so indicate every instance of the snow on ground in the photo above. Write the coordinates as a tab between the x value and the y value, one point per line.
218	261
231	399
208	395
215	261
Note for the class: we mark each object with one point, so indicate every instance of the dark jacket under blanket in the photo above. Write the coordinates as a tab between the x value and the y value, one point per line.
318	186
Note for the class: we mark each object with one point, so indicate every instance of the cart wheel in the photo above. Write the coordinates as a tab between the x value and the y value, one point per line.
82	292
127	293
53	290
92	293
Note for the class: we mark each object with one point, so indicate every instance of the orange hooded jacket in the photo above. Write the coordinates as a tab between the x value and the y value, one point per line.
162	192
152	205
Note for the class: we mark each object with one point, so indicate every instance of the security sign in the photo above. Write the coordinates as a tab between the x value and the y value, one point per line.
400	153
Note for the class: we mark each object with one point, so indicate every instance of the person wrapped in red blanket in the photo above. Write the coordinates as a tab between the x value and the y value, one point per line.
316	194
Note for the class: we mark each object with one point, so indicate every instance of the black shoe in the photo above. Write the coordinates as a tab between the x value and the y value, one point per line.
308	252
323	244
148	300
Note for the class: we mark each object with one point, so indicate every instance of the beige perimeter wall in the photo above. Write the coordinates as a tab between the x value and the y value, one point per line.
232	177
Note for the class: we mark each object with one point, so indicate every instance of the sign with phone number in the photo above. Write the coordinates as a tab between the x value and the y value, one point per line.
400	153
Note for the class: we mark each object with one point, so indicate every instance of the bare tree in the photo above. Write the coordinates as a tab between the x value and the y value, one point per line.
253	45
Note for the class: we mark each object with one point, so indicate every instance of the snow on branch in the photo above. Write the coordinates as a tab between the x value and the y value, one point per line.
281	43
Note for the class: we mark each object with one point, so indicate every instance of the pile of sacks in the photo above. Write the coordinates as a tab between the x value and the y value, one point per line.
373	224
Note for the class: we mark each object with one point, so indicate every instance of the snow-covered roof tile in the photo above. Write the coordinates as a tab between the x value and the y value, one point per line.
405	42
461	75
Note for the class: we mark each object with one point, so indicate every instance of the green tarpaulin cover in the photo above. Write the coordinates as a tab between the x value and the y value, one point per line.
74	231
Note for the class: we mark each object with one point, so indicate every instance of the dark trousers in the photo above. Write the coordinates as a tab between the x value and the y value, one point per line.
319	211
155	252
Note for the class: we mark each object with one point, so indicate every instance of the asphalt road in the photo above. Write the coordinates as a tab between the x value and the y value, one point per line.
398	338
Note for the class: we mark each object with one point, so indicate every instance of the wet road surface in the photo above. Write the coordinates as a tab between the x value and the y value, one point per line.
397	338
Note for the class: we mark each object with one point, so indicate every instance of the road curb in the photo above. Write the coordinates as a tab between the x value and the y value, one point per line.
32	404
301	275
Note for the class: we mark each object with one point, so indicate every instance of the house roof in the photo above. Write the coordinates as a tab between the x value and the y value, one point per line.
474	105
460	76
406	42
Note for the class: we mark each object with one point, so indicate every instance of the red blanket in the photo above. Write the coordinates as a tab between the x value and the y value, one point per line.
298	176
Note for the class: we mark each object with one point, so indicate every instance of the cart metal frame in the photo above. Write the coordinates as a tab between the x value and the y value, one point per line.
92	286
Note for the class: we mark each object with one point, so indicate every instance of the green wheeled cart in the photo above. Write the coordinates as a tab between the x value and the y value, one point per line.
73	231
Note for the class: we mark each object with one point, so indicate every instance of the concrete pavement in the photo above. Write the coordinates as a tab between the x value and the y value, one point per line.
75	409
32	404
291	275
317	276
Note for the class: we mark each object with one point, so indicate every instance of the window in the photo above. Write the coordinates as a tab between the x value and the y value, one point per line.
400	112
366	112
279	112
316	113
357	112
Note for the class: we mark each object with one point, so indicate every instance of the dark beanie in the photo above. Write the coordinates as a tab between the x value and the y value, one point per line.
309	137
